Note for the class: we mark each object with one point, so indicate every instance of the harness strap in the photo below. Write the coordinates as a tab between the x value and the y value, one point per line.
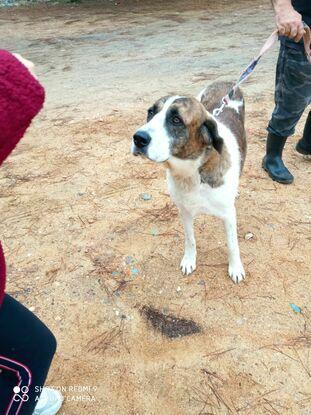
252	65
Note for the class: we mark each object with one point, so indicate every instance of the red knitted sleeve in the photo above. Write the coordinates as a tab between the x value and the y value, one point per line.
2	275
21	98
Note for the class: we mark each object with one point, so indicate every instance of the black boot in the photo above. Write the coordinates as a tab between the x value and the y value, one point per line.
304	144
273	163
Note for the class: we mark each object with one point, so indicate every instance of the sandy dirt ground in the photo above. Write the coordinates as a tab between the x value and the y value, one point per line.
86	252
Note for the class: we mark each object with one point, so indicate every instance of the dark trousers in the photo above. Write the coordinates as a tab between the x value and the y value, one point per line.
292	89
26	350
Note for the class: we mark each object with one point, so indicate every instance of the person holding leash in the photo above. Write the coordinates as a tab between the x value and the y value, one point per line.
292	87
26	345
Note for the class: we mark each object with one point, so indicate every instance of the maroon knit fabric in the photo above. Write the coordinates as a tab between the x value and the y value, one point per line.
21	98
2	275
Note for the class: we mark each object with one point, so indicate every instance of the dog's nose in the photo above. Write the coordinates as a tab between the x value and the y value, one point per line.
141	139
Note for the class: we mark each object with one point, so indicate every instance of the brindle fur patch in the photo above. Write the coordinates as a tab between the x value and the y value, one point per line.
213	170
215	165
211	99
189	143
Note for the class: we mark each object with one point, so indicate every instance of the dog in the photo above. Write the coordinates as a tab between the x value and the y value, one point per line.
204	156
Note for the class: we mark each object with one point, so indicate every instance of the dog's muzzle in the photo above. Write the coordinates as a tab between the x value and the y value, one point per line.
141	140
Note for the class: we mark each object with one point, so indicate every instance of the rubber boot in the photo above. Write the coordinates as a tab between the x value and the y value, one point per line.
304	144
273	163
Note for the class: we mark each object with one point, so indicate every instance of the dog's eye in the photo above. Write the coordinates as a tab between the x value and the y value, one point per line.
176	120
150	113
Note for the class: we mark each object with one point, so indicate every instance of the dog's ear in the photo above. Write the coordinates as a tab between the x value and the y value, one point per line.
209	133
156	107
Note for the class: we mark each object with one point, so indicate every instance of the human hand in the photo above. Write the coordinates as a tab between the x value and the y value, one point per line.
289	22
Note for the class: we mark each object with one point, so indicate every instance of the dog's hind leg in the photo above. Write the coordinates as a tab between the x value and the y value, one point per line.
188	263
236	270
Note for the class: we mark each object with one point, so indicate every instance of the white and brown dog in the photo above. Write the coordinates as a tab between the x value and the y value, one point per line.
204	156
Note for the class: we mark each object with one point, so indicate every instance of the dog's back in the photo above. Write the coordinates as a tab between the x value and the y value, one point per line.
232	116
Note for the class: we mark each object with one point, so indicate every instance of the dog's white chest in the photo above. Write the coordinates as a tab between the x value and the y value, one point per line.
187	191
196	197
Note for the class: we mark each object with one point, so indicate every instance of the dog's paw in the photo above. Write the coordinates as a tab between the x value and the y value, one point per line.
236	272
188	264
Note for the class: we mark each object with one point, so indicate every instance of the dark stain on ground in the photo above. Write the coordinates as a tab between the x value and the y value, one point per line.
169	325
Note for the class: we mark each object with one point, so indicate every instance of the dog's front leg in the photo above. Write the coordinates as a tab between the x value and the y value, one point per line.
188	263
236	270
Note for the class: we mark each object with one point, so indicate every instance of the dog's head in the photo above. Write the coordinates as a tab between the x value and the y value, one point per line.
176	126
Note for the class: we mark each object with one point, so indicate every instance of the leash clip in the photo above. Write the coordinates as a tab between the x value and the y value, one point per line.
218	111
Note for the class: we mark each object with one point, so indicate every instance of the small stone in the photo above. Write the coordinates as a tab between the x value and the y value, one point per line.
134	271
248	236
295	308
145	196
32	309
178	289
129	260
